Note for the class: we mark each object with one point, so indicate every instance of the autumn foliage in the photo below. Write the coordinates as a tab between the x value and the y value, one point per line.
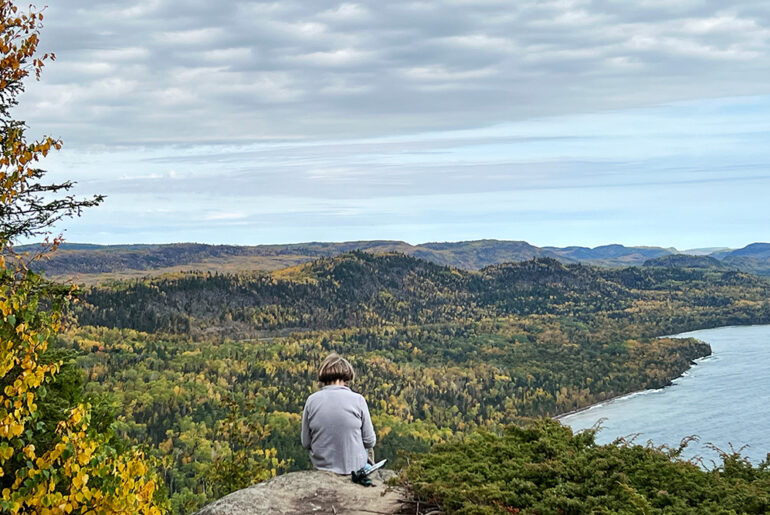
77	470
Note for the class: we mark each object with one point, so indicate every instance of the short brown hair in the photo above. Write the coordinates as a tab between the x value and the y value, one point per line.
334	368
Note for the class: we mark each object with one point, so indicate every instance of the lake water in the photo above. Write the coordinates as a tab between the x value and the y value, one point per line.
724	399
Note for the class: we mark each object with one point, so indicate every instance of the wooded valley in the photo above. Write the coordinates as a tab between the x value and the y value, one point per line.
201	367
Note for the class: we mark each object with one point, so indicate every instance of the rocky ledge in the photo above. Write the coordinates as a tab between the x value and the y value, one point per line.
312	492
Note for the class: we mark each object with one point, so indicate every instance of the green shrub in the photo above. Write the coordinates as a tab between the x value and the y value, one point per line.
543	468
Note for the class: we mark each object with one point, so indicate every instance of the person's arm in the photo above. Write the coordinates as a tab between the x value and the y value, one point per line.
367	430
305	428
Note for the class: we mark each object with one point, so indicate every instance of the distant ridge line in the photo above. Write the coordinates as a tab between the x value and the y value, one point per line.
137	260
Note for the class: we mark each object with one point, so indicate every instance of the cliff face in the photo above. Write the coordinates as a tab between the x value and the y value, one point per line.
316	492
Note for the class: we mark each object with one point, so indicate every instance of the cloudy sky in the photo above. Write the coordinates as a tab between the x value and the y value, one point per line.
562	122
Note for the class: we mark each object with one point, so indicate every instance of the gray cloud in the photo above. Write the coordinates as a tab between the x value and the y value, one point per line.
156	71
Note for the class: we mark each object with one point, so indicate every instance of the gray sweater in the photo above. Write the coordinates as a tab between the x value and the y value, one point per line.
337	429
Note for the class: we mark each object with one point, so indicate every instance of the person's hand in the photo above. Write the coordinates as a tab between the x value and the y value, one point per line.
361	477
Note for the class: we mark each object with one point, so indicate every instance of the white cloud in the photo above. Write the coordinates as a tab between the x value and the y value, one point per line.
341	57
721	23
120	54
224	215
482	42
341	86
176	97
194	37
192	75
346	12
304	29
139	9
674	46
227	54
440	73
91	68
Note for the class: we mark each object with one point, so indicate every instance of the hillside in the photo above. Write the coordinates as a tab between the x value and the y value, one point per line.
363	290
609	255
96	263
686	261
754	258
91	263
440	351
755	250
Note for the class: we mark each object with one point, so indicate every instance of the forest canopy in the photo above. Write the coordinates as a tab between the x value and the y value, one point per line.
439	352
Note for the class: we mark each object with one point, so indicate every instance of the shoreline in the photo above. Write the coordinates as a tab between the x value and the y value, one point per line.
671	383
611	399
710	402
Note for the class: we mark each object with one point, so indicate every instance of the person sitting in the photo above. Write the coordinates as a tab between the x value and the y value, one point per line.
336	426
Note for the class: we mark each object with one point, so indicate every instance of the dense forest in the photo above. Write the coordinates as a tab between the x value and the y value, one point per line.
183	360
362	290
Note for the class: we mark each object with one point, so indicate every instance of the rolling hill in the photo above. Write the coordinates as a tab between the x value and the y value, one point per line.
361	289
90	264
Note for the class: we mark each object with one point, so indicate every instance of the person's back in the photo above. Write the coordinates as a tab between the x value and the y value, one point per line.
337	429
336	426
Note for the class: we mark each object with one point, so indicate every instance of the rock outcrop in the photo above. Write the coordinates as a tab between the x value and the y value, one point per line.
312	492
